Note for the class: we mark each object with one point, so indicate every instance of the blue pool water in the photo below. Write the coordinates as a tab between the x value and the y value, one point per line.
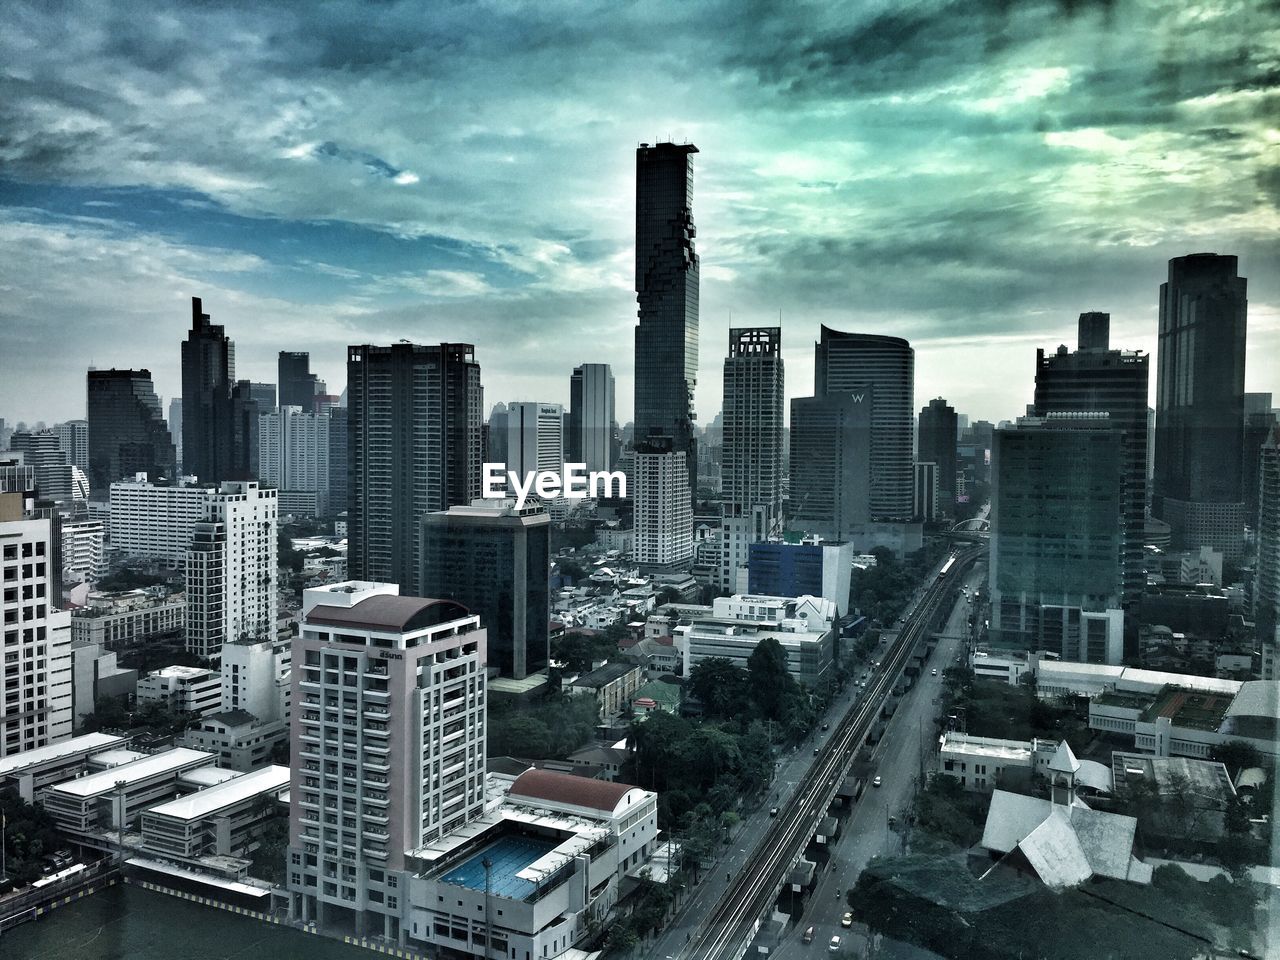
508	856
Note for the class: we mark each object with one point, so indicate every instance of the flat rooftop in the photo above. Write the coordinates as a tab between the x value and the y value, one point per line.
509	856
157	765
986	747
88	743
114	758
202	803
202	777
1187	708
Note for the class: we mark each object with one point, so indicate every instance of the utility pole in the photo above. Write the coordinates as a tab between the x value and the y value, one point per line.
120	785
488	922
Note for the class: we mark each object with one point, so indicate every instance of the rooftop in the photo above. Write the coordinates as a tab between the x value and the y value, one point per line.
158	764
570	790
1187	708
89	743
389	613
202	803
606	674
959	743
508	856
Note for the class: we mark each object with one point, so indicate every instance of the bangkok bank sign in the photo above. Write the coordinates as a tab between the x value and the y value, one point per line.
572	481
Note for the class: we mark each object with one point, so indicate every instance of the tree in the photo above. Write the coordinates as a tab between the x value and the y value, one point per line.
772	688
1237	755
720	686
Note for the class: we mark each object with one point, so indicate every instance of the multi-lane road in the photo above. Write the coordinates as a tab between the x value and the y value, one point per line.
747	894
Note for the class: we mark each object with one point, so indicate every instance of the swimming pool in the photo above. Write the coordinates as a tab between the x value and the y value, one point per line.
508	856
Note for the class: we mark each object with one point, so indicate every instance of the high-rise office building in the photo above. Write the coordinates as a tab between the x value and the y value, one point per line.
535	438
663	512
1057	537
494	560
830	464
1098	379
293	457
926	499
73	435
754	392
231	569
36	707
592	424
853	362
298	385
667	293
208	376
264	395
1259	420
937	443
175	428
1198	482
127	431
414	415
1266	592
245	412
42	451
388	748
338	460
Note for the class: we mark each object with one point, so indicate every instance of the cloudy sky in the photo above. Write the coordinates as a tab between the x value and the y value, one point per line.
970	175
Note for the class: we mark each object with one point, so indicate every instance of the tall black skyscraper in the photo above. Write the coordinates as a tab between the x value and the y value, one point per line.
297	384
851	363
208	376
414	419
1198	482
667	293
127	431
339	462
1096	379
939	429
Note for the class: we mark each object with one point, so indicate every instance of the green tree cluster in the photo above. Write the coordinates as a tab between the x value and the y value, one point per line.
549	729
29	836
882	592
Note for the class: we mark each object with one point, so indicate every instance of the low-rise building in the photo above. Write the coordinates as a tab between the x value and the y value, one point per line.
984	764
1204	785
613	685
96	676
193	690
536	872
240	740
128	618
32	770
220	820
804	627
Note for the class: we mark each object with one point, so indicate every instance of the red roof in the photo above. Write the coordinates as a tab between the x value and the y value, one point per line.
566	788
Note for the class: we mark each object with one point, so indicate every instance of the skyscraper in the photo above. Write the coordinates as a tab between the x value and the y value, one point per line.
1266	593
751	471
1101	380
592	422
388	693
55	476
663	511
298	386
208	375
338	460
293	457
175	428
264	395
831	464
414	415
494	560
231	569
535	437
127	432
1057	537
850	363
937	444
1200	404
73	435
667	293
1259	421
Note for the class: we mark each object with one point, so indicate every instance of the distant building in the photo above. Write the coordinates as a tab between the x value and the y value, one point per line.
493	559
591	434
535	438
415	447
129	618
925	497
1198	486
298	385
937	444
1266	590
663	515
293	457
192	690
830	473
753	411
73	437
213	441
1057	537
813	567
231	569
613	686
83	556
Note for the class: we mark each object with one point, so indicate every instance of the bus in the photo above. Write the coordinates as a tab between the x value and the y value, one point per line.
61	875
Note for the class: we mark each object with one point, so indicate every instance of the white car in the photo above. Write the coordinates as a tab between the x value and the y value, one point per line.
876	782
834	945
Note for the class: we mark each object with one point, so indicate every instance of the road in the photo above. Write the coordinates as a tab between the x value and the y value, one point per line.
866	833
748	890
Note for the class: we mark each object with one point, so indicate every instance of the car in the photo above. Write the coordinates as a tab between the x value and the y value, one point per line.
846	920
935	671
834	945
773	811
807	936
826	726
815	750
876	782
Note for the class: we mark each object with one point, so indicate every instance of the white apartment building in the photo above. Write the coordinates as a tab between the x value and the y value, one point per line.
255	677
231	569
739	528
293	456
804	627
663	539
192	690
83	550
153	521
388	747
36	706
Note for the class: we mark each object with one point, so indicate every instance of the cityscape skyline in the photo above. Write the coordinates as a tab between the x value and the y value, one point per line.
980	188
